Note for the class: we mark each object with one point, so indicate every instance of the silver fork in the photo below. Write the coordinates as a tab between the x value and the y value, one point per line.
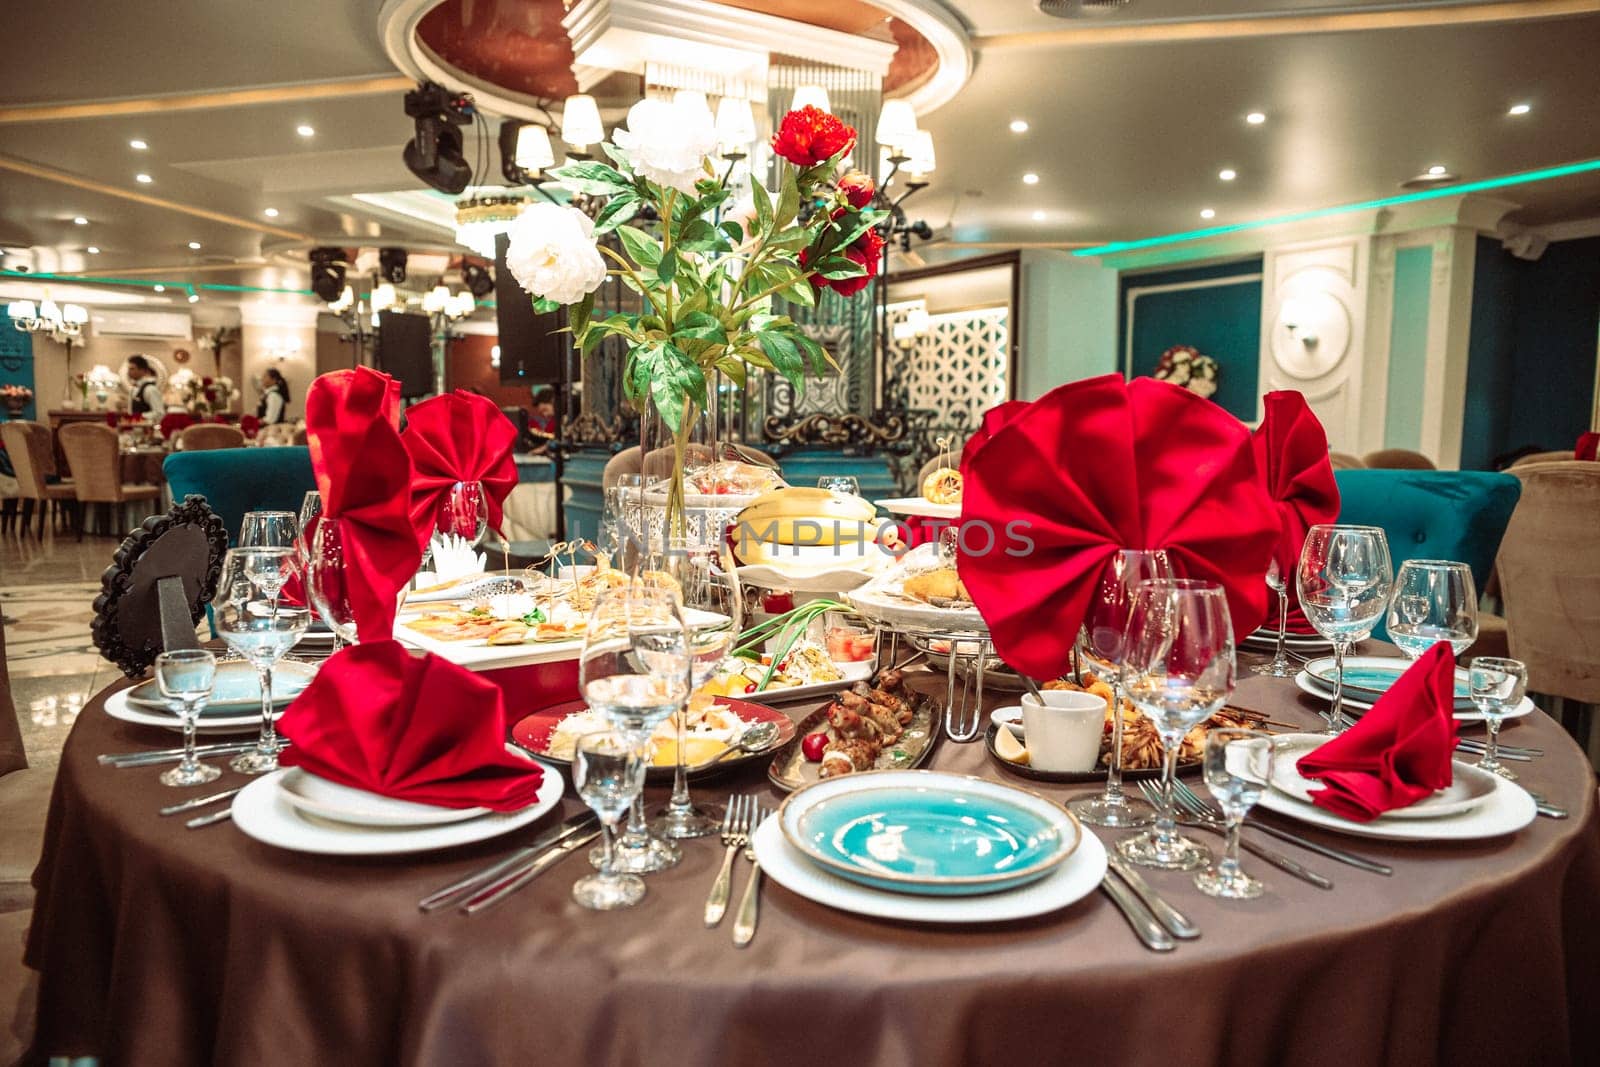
744	923
1189	799
1152	793
735	835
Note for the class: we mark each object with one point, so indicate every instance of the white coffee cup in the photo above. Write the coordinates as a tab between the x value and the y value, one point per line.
1064	733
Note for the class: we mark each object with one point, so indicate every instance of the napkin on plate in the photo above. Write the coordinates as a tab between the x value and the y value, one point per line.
1095	466
364	476
1399	752
412	728
1292	457
1588	446
457	437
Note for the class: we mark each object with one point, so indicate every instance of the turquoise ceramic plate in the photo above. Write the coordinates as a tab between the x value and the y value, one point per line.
927	833
237	688
1371	677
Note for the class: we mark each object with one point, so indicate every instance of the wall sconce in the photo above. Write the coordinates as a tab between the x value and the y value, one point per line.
282	348
1298	317
494	357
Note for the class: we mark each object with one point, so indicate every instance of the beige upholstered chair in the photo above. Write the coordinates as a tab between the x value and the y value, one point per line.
277	433
93	454
748	454
209	435
1398	459
658	464
1549	566
1544	457
1344	461
28	444
623	463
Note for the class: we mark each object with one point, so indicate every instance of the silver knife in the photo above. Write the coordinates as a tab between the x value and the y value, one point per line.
1360	862
500	890
1144	924
207	820
199	802
150	759
1174	920
494	872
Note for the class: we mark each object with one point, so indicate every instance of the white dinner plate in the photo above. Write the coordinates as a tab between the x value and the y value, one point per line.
118	707
830	579
1310	685
857	671
262	811
1469	786
1073	880
316	796
919	506
1506	810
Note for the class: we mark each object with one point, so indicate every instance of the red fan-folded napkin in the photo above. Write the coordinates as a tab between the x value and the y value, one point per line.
364	476
413	728
1399	752
1588	446
457	437
1292	458
1092	467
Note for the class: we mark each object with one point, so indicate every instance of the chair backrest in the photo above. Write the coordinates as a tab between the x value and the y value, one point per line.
624	462
1550	578
96	460
210	435
748	454
1398	459
1459	515
1344	461
237	480
658	463
276	433
13	757
1544	457
28	445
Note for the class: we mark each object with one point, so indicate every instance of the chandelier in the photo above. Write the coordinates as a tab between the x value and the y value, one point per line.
59	323
480	218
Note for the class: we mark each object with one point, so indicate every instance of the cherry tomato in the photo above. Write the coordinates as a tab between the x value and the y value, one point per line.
811	746
749	687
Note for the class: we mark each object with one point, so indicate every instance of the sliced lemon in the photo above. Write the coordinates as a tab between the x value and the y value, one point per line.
1008	748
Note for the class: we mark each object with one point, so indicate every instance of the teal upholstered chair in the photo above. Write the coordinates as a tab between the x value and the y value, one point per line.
1459	515
237	480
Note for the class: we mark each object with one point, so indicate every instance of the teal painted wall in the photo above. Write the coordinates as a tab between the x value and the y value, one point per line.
16	364
1222	321
1408	347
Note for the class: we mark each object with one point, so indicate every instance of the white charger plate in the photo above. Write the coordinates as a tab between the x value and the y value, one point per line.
262	811
1310	685
316	796
1077	877
803	579
1469	786
118	707
919	506
1508	809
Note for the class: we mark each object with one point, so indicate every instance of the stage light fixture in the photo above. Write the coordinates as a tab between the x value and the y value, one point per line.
392	264
327	273
478	280
435	154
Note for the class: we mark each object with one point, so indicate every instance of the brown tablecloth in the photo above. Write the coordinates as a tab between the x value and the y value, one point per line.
167	946
142	466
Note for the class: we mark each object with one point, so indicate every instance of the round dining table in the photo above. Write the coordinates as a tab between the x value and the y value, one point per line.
159	944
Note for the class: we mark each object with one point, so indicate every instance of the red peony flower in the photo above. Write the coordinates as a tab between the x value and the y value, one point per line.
857	189
809	136
866	250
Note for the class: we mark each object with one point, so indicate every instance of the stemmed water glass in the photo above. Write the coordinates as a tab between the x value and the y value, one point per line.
1434	600
608	774
326	587
268	529
840	483
256	626
1238	766
1105	630
185	678
1280	667
1177	668
1497	686
310	509
634	670
1344	580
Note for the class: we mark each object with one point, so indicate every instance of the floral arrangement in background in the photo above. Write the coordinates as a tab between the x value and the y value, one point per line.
710	264
201	395
1185	365
15	397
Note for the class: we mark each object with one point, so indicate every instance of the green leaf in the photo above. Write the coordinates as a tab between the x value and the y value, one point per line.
700	236
791	239
835	267
640	246
734	370
799	291
763	202
671	378
734	231
578	316
816	356
618	209
668	267
788	199
619	155
541	306
784	354
701	326
593	177
852	227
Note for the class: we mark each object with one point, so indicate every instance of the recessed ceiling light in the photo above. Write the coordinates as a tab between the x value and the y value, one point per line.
304	131
137	145
143	179
271	212
1227	174
1519	109
80	221
1019	125
1207	213
1038	216
194	246
158	288
92	250
1256	118
1030	178
1436	170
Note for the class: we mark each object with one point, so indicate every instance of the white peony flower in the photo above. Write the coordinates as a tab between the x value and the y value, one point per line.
552	253
666	143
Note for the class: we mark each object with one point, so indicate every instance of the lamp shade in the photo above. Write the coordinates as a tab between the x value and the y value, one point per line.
533	148
897	124
693	101
460	305
436	300
75	314
49	311
736	123
21	309
921	152
580	121
811	96
382	297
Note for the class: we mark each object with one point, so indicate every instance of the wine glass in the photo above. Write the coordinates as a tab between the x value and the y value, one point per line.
608	774
1238	766
458	526
634	670
713	605
1343	579
326	588
840	483
268	529
1280	667
1177	667
261	630
1105	629
1434	600
1497	686
310	508
185	678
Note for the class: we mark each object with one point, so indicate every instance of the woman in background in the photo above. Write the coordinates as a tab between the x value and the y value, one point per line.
274	405
146	400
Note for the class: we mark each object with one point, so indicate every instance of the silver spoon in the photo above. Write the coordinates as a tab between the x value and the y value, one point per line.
756	739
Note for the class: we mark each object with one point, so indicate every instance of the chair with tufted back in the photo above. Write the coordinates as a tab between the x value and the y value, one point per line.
1344	461
1399	459
620	466
1544	457
33	458
210	435
237	480
95	457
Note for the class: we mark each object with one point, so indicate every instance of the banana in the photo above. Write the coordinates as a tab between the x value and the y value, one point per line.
801	503
752	550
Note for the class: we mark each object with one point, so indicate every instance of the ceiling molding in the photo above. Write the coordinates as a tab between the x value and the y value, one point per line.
266	94
176	270
1280	25
61	177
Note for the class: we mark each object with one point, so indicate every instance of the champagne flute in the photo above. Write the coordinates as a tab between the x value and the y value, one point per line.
1238	766
326	587
1344	578
260	630
1105	630
1280	667
608	774
310	508
1497	686
1434	600
310	515
1177	667
185	678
